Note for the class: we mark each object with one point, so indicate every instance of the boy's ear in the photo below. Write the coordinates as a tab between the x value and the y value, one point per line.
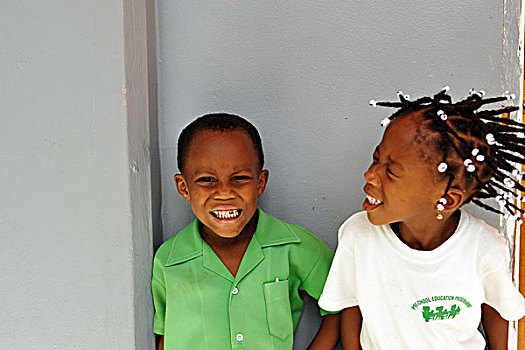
455	198
181	185
262	181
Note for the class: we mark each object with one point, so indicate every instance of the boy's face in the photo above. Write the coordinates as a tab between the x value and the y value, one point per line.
222	181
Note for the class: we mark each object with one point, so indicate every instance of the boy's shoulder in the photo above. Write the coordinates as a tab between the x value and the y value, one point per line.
273	231
186	242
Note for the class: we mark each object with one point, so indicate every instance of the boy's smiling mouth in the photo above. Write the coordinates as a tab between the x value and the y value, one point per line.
226	214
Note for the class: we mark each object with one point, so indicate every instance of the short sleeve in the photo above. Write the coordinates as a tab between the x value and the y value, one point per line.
500	292
159	297
339	290
313	283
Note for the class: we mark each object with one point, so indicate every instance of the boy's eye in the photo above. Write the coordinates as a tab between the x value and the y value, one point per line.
389	172
205	179
375	159
241	178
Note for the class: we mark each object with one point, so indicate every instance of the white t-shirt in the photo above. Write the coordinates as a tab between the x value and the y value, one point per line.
413	299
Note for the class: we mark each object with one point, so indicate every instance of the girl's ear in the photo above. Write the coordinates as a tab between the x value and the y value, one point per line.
262	181
181	185
455	198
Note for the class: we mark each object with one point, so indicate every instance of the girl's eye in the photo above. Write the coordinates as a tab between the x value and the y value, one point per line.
206	179
375	159
390	172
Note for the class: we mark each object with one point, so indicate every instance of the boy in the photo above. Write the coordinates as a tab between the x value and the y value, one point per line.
231	279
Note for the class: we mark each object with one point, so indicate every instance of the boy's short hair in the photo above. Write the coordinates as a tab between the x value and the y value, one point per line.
217	122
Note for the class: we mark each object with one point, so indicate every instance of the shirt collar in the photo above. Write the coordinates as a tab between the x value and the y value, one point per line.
270	231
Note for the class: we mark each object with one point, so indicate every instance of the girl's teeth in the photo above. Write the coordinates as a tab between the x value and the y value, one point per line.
226	214
372	200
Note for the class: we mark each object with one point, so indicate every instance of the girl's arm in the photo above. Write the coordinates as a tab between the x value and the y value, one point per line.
328	333
496	328
351	328
161	343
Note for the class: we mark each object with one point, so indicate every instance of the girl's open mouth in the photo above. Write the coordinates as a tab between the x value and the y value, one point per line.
371	203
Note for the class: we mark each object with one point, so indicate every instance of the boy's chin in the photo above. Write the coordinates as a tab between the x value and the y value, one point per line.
227	235
222	231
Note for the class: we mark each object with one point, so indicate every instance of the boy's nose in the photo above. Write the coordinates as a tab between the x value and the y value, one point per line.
223	191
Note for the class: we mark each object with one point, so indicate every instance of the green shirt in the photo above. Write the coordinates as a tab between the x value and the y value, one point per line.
200	305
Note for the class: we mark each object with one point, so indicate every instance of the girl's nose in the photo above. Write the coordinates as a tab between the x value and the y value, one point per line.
370	175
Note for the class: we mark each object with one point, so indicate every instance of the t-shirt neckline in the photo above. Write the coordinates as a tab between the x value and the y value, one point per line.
428	255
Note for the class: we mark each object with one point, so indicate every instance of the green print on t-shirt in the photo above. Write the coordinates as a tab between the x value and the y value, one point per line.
440	313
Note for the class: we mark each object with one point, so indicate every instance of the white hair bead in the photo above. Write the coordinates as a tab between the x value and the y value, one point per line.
445	88
440	207
480	157
474	92
475	151
471	168
442	167
508	181
467	162
443	200
510	96
373	103
499	199
385	121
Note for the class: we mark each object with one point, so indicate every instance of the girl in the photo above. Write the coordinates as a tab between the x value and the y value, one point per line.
414	271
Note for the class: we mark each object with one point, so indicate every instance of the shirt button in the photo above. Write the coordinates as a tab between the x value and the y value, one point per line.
239	337
235	290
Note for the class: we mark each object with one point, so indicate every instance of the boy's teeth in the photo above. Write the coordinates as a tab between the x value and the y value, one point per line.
226	214
372	200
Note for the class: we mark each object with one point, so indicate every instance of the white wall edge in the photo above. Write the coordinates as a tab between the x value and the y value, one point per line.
139	151
512	79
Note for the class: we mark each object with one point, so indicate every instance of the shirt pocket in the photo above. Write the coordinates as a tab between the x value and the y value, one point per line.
278	312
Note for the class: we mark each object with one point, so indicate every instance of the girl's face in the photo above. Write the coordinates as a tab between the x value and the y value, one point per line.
402	183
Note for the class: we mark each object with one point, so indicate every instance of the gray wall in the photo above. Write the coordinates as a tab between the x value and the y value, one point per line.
303	73
75	207
80	199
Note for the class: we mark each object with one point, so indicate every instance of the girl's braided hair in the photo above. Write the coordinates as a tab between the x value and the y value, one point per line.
479	147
